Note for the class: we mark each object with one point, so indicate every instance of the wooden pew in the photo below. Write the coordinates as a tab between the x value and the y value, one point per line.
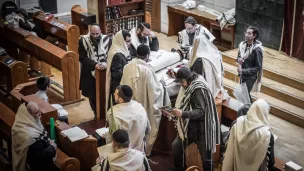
67	33
82	18
67	62
84	150
13	73
7	118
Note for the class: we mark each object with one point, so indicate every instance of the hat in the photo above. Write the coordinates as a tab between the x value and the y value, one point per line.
120	136
182	73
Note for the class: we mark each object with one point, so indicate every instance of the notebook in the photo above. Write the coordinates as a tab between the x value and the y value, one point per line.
102	131
74	134
61	111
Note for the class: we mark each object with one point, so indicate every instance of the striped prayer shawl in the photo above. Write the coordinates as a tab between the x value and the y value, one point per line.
103	47
212	131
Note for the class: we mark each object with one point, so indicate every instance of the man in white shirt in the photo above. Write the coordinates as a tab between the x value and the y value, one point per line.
130	116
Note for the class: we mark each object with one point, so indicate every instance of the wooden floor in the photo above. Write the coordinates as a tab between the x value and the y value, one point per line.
290	142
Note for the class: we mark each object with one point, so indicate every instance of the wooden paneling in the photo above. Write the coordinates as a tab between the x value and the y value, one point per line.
153	6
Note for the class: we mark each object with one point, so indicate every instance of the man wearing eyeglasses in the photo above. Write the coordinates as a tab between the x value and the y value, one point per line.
192	30
250	59
93	49
31	145
118	57
142	34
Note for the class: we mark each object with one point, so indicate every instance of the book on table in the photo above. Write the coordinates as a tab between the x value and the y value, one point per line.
74	134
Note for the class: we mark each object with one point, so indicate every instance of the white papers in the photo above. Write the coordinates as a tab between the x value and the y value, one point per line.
61	111
162	59
74	134
102	131
105	150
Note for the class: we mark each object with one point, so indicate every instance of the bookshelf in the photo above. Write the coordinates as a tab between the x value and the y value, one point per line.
115	17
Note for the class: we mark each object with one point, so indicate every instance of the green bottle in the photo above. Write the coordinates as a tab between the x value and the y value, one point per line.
52	130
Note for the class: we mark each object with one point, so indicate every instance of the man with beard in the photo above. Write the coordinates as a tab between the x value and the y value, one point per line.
147	90
30	141
130	116
196	120
250	59
142	34
93	49
118	57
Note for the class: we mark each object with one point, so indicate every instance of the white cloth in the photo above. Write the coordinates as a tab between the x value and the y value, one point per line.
42	95
122	159
24	132
118	46
134	39
162	59
200	30
244	53
148	91
189	4
211	62
249	139
226	18
133	118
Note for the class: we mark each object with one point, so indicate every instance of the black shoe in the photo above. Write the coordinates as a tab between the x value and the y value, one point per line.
173	50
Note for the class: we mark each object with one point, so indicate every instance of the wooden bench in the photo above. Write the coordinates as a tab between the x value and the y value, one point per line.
7	118
67	62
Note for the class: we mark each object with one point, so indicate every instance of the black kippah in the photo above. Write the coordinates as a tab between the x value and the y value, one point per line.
125	92
120	136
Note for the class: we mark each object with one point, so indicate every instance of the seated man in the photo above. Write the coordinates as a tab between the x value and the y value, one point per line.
118	57
43	84
119	157
192	30
206	60
251	130
130	116
143	35
30	141
147	90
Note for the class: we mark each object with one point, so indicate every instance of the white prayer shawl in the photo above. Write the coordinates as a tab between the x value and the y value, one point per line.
134	38
87	44
211	62
122	159
226	18
245	54
24	132
133	118
249	139
148	91
200	30
118	46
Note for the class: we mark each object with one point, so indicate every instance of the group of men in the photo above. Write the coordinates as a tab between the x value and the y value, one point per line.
137	95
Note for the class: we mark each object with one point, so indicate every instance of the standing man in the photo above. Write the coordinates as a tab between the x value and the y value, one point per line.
147	90
93	49
118	57
142	34
130	116
250	60
197	120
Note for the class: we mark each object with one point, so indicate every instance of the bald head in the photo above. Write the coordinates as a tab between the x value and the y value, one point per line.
33	109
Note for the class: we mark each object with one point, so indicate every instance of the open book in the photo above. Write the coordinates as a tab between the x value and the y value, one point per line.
102	131
74	134
61	111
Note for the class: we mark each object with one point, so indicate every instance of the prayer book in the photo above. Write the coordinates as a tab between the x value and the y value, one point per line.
291	166
102	131
74	134
61	111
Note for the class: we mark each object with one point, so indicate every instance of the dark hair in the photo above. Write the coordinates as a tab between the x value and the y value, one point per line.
191	20
142	51
243	110
121	138
142	25
255	32
193	76
125	92
42	83
125	34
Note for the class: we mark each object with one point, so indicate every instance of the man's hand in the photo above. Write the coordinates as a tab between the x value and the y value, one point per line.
239	70
177	112
52	142
101	66
98	160
240	61
151	34
166	113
